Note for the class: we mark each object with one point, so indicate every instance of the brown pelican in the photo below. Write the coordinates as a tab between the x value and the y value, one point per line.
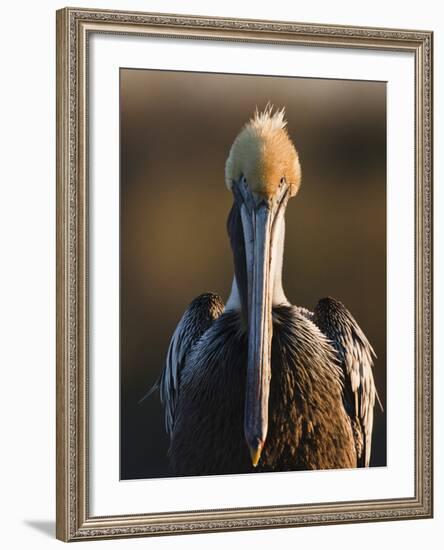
258	384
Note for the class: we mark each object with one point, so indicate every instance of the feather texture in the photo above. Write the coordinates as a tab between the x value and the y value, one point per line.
309	427
356	357
196	320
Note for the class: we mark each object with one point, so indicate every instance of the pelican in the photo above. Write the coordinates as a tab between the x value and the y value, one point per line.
258	384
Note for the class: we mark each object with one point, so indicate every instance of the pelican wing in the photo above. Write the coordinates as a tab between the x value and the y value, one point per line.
196	320
356	356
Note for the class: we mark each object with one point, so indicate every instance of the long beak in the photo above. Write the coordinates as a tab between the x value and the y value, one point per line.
260	330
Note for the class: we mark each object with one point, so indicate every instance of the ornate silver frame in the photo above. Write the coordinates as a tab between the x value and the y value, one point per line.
74	521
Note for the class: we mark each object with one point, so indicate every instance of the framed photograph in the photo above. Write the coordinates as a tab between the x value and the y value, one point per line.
244	274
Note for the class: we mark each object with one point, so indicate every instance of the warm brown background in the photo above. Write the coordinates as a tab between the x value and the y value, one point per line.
176	131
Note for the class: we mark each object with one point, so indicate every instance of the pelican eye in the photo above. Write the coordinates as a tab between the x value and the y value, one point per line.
281	183
243	179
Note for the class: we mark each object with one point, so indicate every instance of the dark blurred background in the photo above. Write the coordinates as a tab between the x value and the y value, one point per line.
176	132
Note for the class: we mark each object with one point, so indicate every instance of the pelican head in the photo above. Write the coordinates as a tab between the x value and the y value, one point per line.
263	172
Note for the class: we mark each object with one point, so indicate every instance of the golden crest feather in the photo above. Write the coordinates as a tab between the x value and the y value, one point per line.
264	153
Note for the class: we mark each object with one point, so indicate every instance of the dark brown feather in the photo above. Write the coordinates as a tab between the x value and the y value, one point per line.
308	425
356	358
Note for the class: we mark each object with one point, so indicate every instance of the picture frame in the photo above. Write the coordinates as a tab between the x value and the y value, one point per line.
76	468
